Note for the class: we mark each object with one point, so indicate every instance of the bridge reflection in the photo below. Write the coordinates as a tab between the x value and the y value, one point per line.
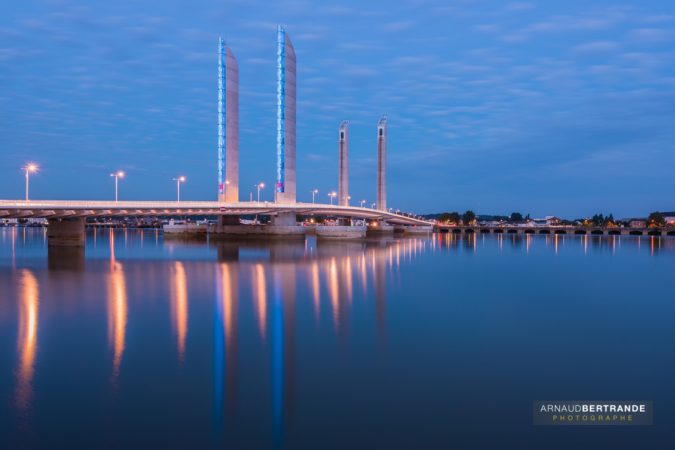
273	280
257	298
179	308
27	338
117	315
553	243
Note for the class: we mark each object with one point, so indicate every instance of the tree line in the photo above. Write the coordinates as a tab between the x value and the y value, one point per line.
655	219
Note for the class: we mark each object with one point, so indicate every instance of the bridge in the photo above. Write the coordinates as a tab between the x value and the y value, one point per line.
60	209
66	218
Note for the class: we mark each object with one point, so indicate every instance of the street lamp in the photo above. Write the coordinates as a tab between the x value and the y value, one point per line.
349	197
119	174
372	205
178	181
331	195
259	186
314	192
29	168
363	202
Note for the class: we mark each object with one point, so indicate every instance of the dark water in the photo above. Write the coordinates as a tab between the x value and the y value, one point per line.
438	342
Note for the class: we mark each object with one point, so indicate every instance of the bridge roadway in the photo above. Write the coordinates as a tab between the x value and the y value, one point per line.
57	209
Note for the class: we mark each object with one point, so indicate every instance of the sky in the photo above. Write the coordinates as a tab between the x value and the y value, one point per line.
549	108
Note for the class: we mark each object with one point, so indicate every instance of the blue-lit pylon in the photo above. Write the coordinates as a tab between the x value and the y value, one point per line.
281	105
221	119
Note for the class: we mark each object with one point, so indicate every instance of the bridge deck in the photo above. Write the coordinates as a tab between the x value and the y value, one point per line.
50	209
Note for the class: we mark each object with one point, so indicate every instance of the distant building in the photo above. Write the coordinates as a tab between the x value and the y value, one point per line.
545	222
669	217
552	220
637	223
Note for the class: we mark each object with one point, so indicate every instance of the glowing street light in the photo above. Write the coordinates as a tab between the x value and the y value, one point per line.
117	175
259	186
332	196
179	180
363	202
372	205
314	192
29	168
349	197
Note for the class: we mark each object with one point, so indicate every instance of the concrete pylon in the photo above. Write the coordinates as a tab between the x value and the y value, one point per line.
382	164
67	232
228	125
343	164
285	189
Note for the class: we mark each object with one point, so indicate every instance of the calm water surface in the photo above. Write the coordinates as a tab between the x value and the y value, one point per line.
434	342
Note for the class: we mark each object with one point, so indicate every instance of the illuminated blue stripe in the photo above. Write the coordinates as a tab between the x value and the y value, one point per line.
221	115
218	355
278	359
281	106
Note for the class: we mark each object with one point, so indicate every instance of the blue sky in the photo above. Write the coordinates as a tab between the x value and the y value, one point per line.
564	107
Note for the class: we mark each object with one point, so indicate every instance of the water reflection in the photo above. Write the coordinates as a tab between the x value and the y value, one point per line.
379	275
117	315
65	258
283	347
316	289
283	312
333	291
225	340
555	242
27	338
180	307
260	297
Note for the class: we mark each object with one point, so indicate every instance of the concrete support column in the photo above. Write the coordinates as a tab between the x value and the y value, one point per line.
420	229
228	220
66	232
378	228
285	219
340	232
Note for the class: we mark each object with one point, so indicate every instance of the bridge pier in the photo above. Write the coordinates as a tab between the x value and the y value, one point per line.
285	219
228	220
380	228
65	232
417	230
283	226
340	232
